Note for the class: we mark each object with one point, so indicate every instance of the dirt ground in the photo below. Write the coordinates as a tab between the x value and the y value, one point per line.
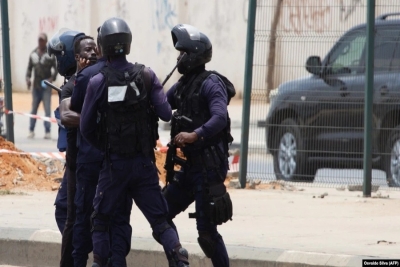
18	170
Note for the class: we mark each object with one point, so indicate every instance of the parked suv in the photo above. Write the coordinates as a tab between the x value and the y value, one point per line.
317	121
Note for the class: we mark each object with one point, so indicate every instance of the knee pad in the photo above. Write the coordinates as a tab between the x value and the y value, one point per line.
102	217
159	228
207	244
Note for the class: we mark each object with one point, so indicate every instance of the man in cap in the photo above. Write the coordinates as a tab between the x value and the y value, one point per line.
44	68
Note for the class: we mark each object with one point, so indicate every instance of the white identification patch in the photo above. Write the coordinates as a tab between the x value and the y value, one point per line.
133	84
116	93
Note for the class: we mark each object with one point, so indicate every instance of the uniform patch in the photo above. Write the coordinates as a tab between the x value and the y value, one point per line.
117	93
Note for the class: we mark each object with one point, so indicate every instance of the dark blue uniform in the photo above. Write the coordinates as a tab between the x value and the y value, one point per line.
61	204
89	163
188	184
61	201
134	176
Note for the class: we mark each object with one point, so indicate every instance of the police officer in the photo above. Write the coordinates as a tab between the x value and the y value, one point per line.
117	117
201	128
89	162
62	45
66	66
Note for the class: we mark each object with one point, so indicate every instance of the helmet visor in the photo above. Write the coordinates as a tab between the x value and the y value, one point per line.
55	45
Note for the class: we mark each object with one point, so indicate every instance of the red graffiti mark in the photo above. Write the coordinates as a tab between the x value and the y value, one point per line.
48	24
306	15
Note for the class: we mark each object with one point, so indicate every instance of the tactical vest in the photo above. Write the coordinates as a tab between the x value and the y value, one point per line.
192	105
128	126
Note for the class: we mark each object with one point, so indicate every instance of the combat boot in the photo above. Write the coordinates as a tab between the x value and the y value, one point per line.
98	262
179	257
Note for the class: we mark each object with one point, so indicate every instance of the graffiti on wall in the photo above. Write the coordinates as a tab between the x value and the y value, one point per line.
27	26
48	24
306	15
300	16
164	19
164	16
347	10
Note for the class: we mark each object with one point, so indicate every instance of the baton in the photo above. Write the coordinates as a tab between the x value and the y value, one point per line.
170	74
53	86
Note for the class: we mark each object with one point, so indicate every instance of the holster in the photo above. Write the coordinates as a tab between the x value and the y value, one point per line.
220	208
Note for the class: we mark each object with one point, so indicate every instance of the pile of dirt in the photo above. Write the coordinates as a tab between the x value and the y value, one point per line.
160	161
161	155
19	170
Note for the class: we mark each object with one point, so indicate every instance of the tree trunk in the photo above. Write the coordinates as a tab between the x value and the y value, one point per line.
272	48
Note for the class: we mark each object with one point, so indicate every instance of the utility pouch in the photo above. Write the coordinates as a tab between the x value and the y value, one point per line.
211	158
220	208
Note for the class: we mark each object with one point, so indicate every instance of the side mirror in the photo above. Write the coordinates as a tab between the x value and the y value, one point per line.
313	65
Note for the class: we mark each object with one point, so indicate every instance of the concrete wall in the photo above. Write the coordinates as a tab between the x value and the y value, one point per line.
150	22
306	27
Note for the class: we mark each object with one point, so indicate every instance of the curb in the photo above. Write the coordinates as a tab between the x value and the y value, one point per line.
29	247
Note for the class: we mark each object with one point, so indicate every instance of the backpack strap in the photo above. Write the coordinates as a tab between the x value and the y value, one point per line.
147	80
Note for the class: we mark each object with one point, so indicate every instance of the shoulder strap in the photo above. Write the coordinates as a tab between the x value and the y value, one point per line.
198	82
147	80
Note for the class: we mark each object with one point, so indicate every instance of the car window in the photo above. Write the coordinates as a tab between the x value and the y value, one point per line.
386	54
346	57
395	66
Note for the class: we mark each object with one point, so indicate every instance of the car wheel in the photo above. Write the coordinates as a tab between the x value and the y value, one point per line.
290	158
392	158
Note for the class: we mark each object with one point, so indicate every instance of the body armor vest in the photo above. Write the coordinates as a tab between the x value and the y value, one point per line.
192	105
127	126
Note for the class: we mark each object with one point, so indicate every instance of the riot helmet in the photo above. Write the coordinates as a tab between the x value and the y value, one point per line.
197	46
115	37
61	45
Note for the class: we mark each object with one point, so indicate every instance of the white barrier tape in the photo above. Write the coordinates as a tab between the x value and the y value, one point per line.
233	160
54	155
234	163
49	119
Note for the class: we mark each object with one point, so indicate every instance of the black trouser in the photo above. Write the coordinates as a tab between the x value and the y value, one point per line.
66	243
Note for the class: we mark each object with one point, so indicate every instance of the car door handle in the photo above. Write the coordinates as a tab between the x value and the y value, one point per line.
384	90
343	91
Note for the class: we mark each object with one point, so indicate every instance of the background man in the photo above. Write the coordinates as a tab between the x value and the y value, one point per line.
42	64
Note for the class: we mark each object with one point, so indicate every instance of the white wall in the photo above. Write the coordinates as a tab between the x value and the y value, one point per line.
306	27
223	21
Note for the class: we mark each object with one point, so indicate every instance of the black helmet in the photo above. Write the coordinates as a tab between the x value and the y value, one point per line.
62	46
115	37
197	46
